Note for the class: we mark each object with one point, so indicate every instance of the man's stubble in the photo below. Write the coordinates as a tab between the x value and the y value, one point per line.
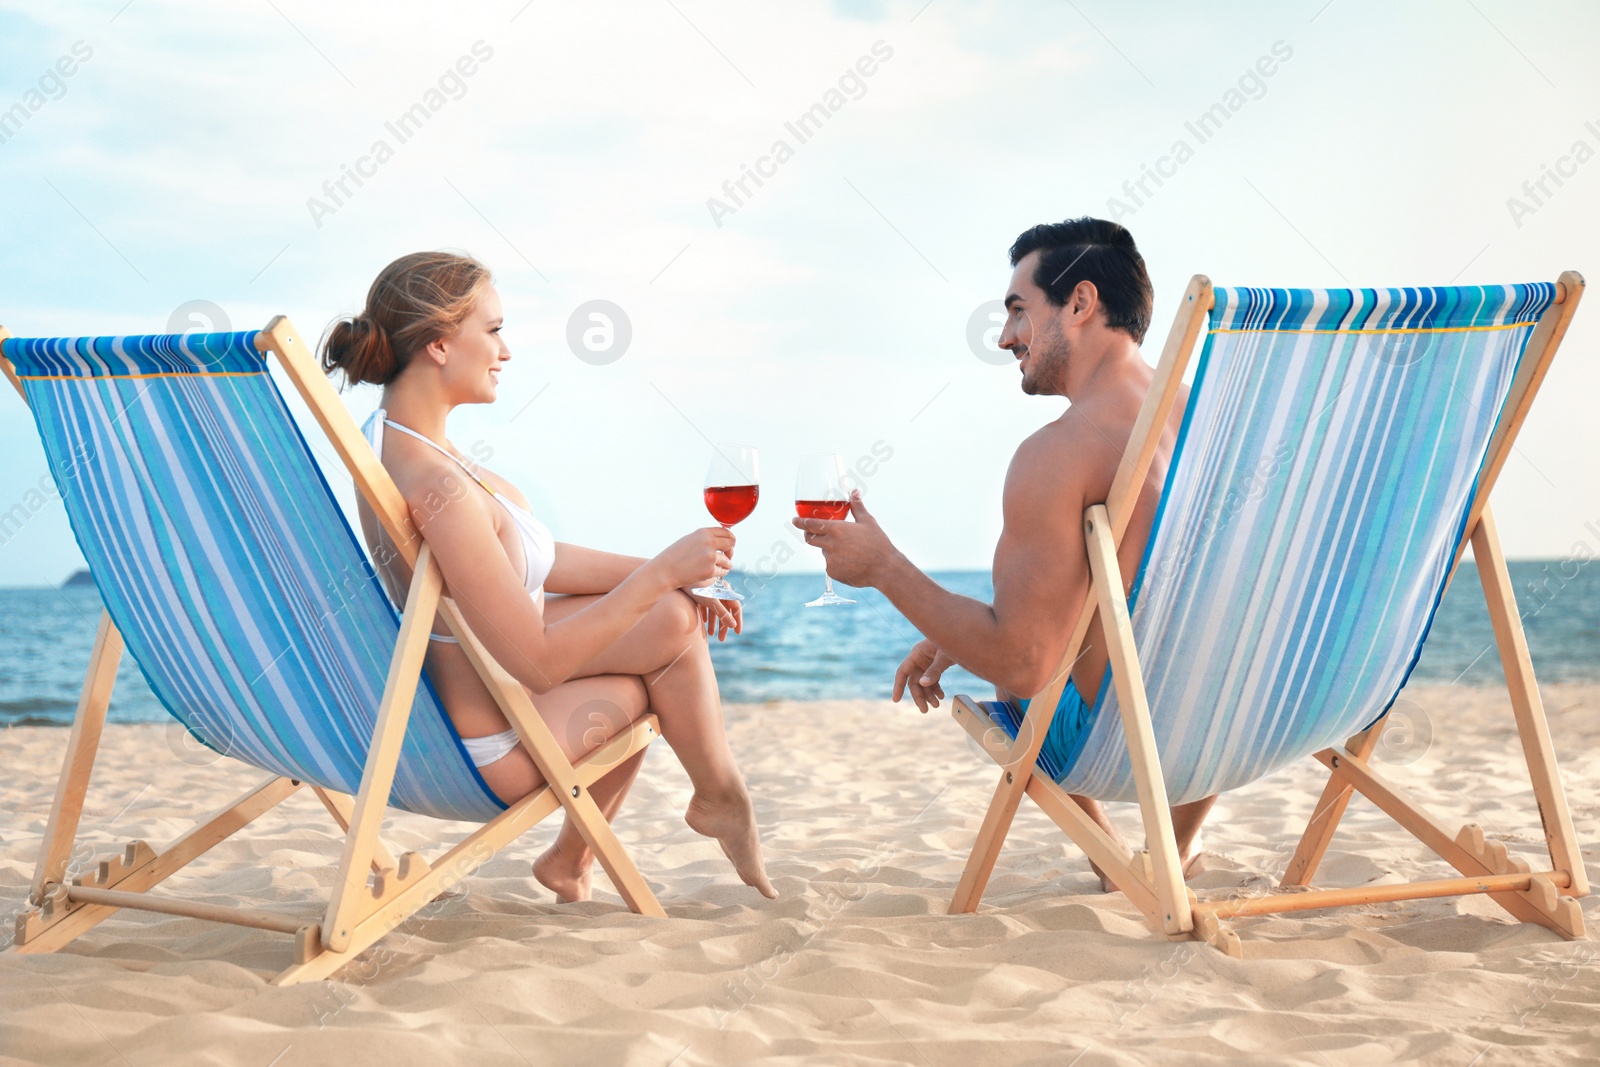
1049	353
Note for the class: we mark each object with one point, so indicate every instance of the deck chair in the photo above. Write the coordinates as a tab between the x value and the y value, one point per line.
1334	460
229	573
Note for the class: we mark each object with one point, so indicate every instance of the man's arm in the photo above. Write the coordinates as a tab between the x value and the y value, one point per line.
1040	576
1041	571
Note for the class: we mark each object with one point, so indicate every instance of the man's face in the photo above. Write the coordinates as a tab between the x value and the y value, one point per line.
1033	332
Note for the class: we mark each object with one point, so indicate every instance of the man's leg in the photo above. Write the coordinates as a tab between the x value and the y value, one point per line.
1186	820
1097	811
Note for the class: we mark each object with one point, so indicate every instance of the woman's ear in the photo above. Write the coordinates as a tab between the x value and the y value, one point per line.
435	351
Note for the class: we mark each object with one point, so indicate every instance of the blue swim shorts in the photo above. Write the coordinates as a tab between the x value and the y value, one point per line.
1068	730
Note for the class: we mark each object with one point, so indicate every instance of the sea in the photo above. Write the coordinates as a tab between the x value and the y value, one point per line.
791	652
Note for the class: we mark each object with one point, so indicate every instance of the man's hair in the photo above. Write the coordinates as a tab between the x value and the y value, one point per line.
1096	251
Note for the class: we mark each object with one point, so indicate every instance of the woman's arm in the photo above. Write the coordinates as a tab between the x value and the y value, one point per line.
588	570
479	578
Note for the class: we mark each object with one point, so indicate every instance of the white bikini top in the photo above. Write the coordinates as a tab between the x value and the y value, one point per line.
538	546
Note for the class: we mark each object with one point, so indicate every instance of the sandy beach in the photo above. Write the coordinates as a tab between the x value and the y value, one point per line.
867	810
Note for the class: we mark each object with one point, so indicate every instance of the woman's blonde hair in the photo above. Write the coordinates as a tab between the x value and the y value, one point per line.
415	300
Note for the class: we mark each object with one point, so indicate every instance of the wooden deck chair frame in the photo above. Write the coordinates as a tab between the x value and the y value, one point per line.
1152	878
358	912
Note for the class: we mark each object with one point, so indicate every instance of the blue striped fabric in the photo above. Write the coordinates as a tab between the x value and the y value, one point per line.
223	558
1327	460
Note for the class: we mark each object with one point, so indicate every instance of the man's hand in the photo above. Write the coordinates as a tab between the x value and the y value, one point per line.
853	552
920	672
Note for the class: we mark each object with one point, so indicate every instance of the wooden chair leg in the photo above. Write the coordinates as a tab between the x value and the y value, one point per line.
82	745
198	841
1008	793
377	777
1532	726
1460	850
342	808
458	863
1330	808
1160	841
1016	777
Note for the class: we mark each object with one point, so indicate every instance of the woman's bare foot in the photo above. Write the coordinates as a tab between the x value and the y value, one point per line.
733	823
567	879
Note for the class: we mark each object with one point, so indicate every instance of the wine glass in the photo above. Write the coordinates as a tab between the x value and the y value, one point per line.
730	494
819	493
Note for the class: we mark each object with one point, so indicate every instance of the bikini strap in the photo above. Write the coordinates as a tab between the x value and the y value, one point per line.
443	451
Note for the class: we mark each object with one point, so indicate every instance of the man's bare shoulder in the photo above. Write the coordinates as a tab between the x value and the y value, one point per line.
1072	450
1046	478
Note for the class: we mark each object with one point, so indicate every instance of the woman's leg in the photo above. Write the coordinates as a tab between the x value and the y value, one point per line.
668	650
582	714
564	868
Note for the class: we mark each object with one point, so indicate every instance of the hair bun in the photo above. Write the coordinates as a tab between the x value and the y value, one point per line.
415	300
359	347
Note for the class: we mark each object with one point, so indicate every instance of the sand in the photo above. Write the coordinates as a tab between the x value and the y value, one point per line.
868	810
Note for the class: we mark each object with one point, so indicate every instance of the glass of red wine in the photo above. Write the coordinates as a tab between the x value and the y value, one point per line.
732	488
819	493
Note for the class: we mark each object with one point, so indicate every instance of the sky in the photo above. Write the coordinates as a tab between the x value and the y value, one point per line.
186	172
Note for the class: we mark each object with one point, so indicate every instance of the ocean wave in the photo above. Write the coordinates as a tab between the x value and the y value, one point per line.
47	706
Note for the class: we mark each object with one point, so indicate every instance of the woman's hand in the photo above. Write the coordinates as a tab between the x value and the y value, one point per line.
695	559
718	616
920	672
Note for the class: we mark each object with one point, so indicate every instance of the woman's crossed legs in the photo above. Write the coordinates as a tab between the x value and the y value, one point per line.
662	664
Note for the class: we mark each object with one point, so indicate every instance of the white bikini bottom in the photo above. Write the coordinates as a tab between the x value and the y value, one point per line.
485	750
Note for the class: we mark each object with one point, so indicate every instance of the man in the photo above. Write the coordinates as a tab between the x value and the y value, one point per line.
1077	309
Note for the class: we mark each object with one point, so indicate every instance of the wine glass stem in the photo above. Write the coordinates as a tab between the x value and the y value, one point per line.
827	581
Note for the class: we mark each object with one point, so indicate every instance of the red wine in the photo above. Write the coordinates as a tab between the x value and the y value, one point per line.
822	509
729	504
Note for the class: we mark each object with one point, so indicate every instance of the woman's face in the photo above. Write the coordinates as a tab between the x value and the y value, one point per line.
473	353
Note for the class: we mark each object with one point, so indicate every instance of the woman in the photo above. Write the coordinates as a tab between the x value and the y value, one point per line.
597	638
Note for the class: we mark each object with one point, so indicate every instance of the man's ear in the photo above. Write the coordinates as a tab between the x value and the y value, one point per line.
1082	303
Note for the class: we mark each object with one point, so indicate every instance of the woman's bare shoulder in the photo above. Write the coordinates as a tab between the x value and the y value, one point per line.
431	482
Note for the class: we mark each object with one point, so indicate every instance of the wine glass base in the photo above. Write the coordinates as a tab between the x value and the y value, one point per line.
718	590
828	599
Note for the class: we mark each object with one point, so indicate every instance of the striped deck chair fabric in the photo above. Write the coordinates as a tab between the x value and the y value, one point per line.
1320	485
223	558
